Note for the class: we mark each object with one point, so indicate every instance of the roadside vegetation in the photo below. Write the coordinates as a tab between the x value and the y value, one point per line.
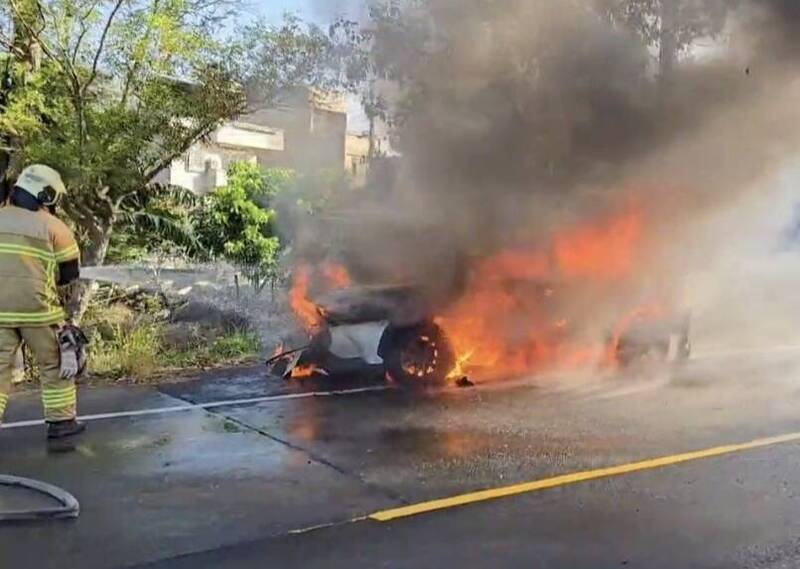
136	337
146	349
144	336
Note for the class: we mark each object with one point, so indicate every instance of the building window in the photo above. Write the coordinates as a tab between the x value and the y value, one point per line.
195	161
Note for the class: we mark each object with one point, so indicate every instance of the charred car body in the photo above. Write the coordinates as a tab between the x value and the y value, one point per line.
391	330
382	328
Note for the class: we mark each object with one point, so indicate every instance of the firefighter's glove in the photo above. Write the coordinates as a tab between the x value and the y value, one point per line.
69	364
72	346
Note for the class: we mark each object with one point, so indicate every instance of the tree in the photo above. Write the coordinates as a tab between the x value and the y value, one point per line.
124	88
271	58
22	57
261	186
127	86
155	222
670	27
230	225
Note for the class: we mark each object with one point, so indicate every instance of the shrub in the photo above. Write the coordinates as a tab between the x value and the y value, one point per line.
135	335
230	225
133	353
155	221
235	346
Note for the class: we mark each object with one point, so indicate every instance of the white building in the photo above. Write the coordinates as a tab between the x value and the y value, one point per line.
307	133
203	168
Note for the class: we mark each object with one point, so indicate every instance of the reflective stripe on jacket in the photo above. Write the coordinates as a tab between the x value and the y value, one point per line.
32	245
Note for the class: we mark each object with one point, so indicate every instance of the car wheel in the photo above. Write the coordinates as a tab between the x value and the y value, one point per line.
417	355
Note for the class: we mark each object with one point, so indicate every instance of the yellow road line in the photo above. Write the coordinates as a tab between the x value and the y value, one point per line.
574	478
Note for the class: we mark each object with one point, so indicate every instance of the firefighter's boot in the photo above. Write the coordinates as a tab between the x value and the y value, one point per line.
64	429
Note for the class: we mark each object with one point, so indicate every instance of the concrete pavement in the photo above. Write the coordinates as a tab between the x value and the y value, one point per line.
226	487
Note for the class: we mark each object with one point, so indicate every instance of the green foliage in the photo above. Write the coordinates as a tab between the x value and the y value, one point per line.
260	185
230	225
235	346
123	87
232	348
155	220
271	57
100	106
138	351
276	180
247	178
233	223
131	337
125	333
124	248
131	353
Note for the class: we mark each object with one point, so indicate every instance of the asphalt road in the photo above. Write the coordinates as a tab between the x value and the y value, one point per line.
739	511
288	482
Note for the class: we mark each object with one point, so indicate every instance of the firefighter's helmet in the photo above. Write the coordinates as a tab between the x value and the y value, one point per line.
43	183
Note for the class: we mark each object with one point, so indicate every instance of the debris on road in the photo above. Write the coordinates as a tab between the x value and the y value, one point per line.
465	382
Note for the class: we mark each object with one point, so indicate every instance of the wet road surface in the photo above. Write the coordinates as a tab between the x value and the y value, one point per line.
229	486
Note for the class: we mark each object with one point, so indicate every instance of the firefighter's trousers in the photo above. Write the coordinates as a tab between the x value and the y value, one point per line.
58	395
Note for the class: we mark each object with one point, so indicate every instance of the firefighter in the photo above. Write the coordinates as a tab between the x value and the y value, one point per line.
38	252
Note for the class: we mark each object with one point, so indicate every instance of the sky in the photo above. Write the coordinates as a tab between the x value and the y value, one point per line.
320	12
274	9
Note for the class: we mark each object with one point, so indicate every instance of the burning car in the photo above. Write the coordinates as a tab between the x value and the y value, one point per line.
385	328
571	300
390	330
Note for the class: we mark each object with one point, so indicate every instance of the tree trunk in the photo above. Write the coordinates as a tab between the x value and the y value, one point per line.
94	255
371	151
668	41
30	56
26	43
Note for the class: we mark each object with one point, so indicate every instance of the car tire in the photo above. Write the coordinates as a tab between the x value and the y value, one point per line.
417	356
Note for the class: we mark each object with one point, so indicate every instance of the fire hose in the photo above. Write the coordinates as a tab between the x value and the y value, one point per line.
68	508
72	342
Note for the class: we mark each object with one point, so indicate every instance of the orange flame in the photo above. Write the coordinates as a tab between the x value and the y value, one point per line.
600	252
311	315
306	311
508	321
306	371
336	275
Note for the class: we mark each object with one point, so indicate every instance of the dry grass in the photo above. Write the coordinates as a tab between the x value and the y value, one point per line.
132	353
